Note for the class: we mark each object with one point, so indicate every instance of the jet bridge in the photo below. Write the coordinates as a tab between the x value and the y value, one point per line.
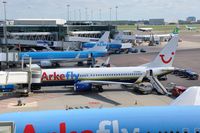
22	78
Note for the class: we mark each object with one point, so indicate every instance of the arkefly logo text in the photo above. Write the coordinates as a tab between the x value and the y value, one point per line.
59	77
105	126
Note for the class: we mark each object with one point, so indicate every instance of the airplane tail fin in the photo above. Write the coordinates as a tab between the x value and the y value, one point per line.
176	30
101	45
105	37
190	97
118	38
166	57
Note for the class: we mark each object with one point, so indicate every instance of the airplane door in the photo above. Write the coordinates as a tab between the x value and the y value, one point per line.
7	127
149	73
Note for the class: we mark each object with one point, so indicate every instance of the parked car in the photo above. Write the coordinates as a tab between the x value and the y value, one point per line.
133	50
175	72
182	73
143	50
186	73
102	65
192	75
162	78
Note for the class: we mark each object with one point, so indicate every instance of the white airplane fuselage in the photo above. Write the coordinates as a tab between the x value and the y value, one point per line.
84	78
120	74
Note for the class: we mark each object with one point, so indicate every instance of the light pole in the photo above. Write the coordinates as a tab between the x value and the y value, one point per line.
5	32
116	12
99	14
79	14
86	14
74	15
110	14
68	6
91	15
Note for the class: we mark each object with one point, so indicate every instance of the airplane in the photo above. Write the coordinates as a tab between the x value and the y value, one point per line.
85	79
114	45
158	36
144	29
190	27
174	118
53	58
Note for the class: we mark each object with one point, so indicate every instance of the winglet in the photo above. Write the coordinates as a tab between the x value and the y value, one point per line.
105	37
176	30
118	38
190	97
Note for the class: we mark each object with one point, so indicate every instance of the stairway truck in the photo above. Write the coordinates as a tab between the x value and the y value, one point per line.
155	82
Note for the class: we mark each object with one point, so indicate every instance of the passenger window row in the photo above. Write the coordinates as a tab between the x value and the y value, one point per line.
119	74
197	130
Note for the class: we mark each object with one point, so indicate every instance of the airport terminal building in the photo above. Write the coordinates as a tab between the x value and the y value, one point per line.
48	29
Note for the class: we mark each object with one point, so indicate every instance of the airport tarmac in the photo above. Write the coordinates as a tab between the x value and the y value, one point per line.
51	98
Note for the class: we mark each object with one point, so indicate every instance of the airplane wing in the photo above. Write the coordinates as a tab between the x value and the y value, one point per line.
94	82
77	59
78	56
190	97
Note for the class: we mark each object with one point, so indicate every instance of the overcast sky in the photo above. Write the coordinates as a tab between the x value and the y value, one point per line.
170	10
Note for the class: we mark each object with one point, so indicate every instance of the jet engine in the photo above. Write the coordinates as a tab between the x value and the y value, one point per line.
80	87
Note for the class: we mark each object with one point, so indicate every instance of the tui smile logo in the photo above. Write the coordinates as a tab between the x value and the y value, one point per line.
164	60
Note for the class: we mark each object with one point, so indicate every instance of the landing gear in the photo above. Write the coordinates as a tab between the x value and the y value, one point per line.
100	88
91	62
55	65
35	87
80	63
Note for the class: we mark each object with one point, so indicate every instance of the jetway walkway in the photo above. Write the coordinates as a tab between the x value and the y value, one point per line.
7	77
23	78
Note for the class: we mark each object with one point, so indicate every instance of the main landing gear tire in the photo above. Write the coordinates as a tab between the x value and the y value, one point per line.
100	88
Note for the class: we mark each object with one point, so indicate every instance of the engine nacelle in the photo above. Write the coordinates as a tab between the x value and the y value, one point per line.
80	87
46	63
